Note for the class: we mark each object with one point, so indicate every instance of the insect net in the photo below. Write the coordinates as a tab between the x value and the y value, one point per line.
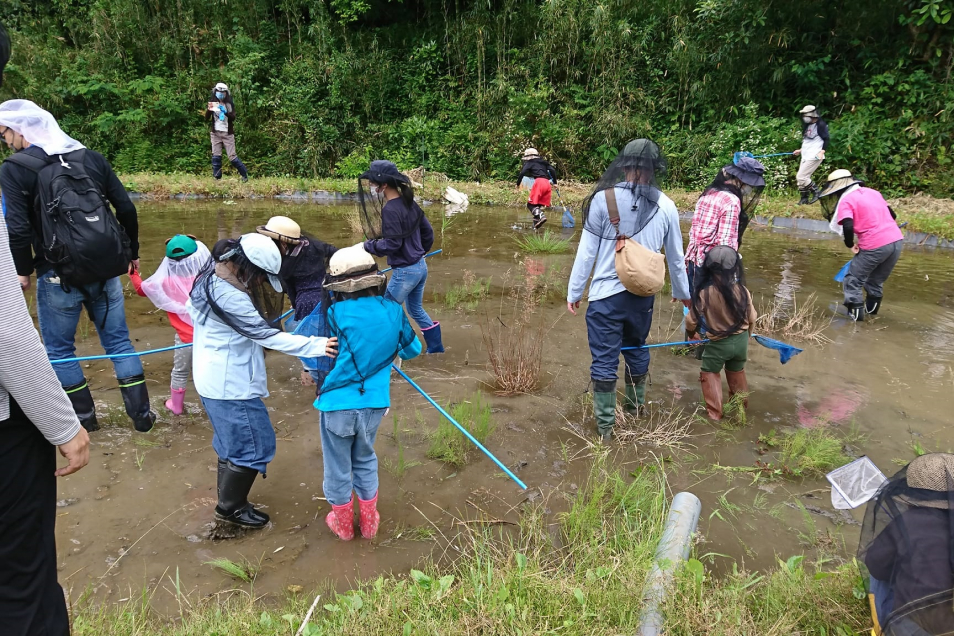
371	203
906	551
169	287
634	170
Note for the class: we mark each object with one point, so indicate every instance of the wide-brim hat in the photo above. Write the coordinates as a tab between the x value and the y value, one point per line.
809	110
264	254
747	170
281	228
930	473
352	269
838	181
384	172
180	246
530	153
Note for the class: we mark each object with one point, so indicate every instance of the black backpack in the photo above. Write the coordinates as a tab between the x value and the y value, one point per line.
81	237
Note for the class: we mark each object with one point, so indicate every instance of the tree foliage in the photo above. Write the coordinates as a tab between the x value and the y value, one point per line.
462	85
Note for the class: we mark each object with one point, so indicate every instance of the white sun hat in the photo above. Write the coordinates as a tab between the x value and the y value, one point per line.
37	126
264	254
352	269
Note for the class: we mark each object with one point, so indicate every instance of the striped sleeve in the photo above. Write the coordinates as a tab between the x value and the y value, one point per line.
25	370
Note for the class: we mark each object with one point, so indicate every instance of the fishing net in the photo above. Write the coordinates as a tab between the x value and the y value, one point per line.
169	287
722	274
785	351
316	324
633	173
906	550
381	218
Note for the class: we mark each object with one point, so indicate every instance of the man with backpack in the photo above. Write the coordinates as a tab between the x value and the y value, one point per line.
56	196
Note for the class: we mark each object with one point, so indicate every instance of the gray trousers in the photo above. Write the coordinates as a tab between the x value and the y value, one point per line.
181	364
869	270
220	141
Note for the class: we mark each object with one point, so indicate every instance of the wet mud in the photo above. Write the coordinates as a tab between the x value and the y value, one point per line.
140	515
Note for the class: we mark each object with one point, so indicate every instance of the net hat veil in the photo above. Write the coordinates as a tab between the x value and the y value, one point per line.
169	287
636	170
907	543
37	126
371	202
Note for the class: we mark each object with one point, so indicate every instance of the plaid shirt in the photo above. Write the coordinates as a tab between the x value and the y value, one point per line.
716	222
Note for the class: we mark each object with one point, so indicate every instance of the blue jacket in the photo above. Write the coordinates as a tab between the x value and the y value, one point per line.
370	333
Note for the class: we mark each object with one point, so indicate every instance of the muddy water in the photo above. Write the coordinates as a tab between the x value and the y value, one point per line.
140	512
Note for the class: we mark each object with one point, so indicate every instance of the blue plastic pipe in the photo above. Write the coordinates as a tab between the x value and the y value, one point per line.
388	269
460	428
120	355
667	344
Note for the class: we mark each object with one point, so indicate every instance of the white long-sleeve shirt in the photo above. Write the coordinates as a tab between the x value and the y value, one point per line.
597	255
26	374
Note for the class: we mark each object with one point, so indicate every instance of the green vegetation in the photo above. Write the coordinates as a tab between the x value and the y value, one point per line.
468	293
244	571
733	412
546	243
585	579
812	452
448	444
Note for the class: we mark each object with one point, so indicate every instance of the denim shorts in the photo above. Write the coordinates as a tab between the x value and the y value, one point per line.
243	432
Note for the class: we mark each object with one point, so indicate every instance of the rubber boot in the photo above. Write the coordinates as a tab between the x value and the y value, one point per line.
220	477
216	166
83	405
432	337
856	311
635	394
805	197
368	516
872	304
238	165
712	393
737	384
235	483
341	520
176	402
136	399
539	218
813	189
604	407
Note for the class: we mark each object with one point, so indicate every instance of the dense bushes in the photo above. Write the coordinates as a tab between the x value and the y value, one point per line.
461	87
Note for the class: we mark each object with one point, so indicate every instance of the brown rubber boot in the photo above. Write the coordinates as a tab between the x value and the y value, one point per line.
737	384
712	393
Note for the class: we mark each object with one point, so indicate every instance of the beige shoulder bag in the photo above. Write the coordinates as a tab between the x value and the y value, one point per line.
641	270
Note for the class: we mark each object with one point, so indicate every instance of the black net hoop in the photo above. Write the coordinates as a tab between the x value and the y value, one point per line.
376	222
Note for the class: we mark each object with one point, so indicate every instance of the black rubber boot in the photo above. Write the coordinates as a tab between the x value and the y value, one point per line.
856	311
872	305
242	170
216	166
220	477
234	485
82	401
813	189
805	197
136	400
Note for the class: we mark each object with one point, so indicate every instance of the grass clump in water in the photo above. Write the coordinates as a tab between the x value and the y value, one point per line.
812	452
733	412
468	293
792	321
515	345
448	444
546	243
243	571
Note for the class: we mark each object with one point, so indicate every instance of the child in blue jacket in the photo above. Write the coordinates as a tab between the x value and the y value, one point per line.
371	331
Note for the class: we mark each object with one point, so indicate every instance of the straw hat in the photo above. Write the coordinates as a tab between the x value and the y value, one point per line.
530	153
281	228
352	269
932	472
838	181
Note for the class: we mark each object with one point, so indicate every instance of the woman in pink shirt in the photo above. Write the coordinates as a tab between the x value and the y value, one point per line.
861	211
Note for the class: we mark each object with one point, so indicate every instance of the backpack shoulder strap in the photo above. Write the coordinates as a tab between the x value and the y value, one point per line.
34	164
611	208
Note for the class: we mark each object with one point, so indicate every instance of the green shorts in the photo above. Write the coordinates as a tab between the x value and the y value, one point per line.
730	353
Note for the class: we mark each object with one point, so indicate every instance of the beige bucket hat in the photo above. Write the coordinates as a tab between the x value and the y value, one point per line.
281	228
352	269
530	153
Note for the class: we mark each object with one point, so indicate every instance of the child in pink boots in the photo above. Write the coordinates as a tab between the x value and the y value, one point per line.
371	331
168	289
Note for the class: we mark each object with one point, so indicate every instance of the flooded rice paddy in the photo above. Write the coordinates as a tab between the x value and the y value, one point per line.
139	515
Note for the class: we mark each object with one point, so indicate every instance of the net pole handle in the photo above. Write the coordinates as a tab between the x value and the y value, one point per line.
388	269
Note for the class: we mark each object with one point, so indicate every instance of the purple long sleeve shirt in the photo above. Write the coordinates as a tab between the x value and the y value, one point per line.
396	221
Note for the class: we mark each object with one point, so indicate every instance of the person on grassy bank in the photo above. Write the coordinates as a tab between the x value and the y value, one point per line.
814	145
168	289
231	335
721	302
538	176
617	318
220	113
397	228
854	209
372	330
50	179
723	211
304	263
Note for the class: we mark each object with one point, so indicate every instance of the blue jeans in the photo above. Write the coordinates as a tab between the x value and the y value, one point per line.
406	287
347	444
58	312
243	433
622	320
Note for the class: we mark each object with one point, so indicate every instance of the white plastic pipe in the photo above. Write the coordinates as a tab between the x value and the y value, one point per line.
672	550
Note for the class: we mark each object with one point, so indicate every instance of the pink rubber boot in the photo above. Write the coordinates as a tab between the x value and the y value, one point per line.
369	517
176	402
341	520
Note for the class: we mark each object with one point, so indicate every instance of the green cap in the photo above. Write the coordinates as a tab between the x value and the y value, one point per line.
180	246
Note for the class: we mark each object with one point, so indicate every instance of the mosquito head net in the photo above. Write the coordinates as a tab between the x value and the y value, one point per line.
36	126
722	273
743	179
636	169
169	287
379	182
907	547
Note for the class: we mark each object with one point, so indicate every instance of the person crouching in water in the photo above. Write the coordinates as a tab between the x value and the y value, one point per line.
399	230
228	366
168	289
853	209
538	176
371	330
304	264
722	304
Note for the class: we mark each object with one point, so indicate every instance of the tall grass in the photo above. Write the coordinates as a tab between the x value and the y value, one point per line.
802	322
514	343
812	452
448	444
546	243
